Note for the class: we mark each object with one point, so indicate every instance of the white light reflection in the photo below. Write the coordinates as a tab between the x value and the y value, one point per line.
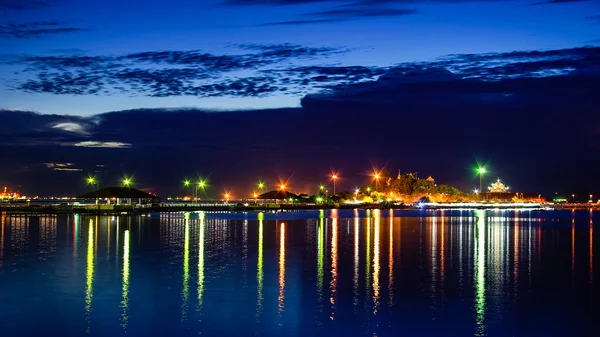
200	259
334	263
186	267
125	290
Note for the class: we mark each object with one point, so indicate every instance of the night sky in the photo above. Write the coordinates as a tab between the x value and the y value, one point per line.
242	90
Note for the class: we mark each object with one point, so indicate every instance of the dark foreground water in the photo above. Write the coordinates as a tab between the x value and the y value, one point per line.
338	273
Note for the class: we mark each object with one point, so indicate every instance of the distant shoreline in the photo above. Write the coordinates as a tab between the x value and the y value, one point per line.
165	208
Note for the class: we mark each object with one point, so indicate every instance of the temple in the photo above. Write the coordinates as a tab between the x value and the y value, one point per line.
498	187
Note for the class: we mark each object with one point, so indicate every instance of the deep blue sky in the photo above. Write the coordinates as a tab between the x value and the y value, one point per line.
333	62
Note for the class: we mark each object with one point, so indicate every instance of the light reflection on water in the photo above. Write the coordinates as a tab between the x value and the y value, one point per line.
438	273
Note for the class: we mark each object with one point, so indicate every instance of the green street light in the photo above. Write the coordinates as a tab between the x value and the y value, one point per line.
92	181
186	183
261	185
127	182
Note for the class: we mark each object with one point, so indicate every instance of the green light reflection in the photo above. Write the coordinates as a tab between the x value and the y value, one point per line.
480	273
320	257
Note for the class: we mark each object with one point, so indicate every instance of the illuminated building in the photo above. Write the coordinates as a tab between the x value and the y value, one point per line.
498	187
6	195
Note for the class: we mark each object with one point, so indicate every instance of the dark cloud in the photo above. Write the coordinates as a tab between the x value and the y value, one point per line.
35	30
19	5
167	73
176	73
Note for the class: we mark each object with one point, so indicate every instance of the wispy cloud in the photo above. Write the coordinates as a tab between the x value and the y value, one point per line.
301	22
111	145
68	167
35	29
362	12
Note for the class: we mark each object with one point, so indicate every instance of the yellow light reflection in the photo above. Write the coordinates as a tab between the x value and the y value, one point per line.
334	262
259	268
186	266
320	252
3	221
391	262
480	273
200	259
368	259
89	274
376	264
281	297
125	290
591	251
356	259
442	256
573	246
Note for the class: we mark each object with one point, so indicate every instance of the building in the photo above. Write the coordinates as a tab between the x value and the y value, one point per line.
119	196
498	187
6	195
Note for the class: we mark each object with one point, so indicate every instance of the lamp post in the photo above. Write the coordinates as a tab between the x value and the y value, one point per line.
186	183
334	177
481	171
200	185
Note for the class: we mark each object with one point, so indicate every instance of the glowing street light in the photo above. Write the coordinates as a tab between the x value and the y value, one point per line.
127	182
282	187
376	176
227	197
186	183
92	181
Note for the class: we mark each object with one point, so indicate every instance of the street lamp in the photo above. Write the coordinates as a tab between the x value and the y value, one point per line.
376	176
92	181
200	185
227	197
186	183
127	182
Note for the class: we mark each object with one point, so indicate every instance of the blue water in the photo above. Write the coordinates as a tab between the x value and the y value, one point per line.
310	273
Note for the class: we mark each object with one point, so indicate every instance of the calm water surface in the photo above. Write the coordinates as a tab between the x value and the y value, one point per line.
314	273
